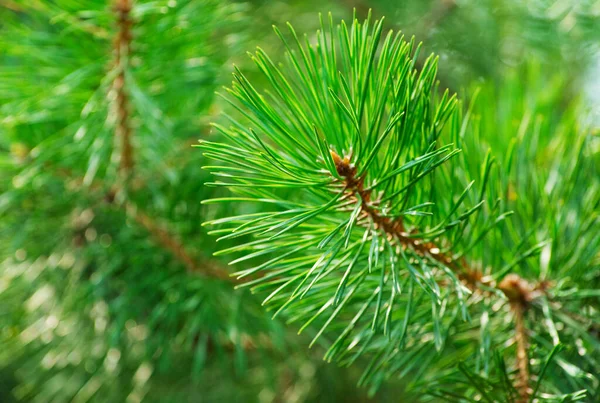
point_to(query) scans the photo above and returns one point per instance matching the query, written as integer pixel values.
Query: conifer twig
(393, 228)
(172, 244)
(522, 359)
(122, 45)
(11, 5)
(165, 239)
(519, 293)
(341, 220)
(516, 289)
(123, 134)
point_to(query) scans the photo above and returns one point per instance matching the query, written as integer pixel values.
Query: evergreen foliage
(436, 247)
(100, 298)
(409, 228)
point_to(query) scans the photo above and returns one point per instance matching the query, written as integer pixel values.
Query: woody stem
(122, 46)
(516, 289)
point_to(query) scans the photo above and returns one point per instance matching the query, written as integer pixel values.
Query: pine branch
(122, 49)
(169, 242)
(519, 294)
(517, 290)
(123, 132)
(164, 238)
(56, 95)
(350, 154)
(11, 5)
(394, 228)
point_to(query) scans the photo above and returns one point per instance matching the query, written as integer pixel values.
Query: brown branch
(164, 238)
(11, 5)
(394, 228)
(522, 359)
(122, 45)
(123, 136)
(519, 294)
(169, 242)
(518, 291)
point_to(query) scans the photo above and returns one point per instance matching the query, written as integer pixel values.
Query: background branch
(122, 46)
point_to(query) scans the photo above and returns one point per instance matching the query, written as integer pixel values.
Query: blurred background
(109, 290)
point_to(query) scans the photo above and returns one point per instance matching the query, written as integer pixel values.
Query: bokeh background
(113, 295)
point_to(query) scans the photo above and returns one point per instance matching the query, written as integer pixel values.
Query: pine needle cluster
(452, 244)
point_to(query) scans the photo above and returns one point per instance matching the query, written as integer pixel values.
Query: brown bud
(515, 288)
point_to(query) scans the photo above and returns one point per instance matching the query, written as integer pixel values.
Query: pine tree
(434, 237)
(437, 249)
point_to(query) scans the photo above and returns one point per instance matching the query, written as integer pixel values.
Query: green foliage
(386, 124)
(62, 90)
(106, 284)
(92, 307)
(368, 221)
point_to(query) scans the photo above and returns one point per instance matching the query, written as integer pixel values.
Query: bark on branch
(169, 242)
(519, 294)
(122, 48)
